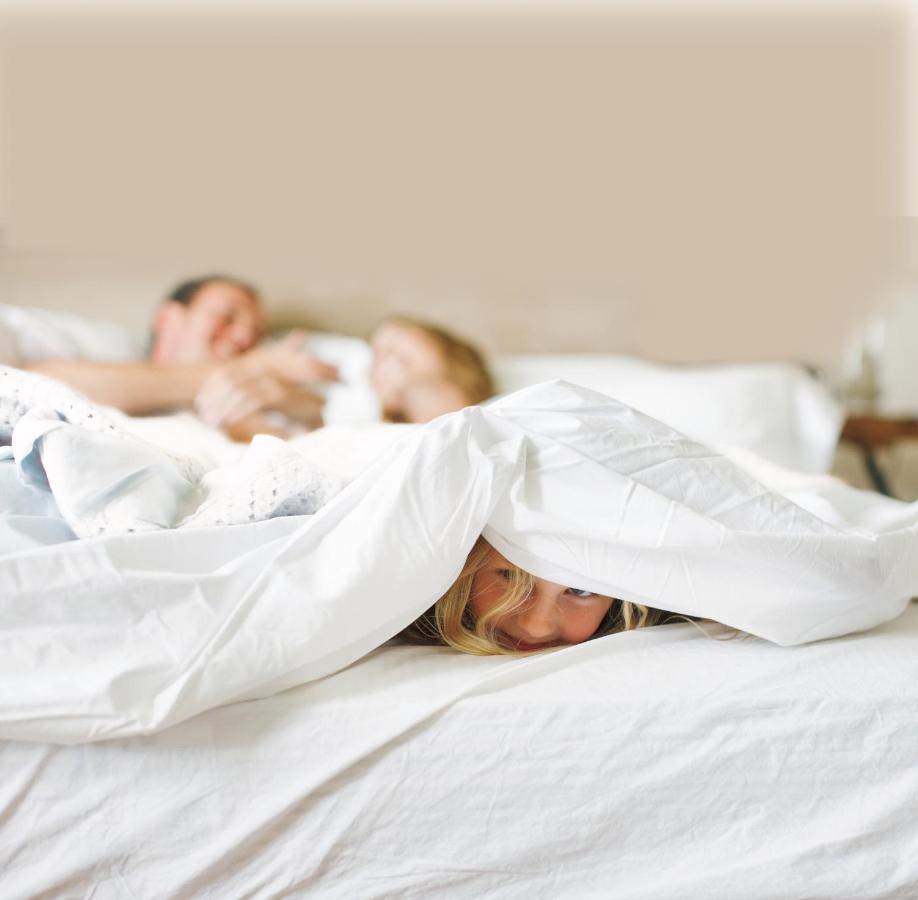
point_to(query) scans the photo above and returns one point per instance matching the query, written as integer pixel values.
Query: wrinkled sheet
(649, 765)
(130, 633)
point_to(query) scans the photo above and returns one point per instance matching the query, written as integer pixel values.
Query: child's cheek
(485, 595)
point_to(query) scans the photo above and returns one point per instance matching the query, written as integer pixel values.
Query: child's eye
(504, 573)
(579, 593)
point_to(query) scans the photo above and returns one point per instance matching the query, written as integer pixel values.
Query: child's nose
(539, 620)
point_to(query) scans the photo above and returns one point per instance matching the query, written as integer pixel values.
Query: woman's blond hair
(450, 621)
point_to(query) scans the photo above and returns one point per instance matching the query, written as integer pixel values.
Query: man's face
(221, 321)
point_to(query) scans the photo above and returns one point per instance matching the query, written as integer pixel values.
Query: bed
(651, 764)
(683, 760)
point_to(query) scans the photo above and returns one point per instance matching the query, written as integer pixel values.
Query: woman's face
(402, 355)
(554, 614)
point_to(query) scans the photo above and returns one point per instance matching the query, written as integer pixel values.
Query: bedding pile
(106, 480)
(128, 632)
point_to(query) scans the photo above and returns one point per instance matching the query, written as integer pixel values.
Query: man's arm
(144, 387)
(138, 388)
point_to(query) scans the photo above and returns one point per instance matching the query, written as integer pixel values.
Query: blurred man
(210, 318)
(205, 337)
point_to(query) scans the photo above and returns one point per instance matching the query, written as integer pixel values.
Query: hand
(275, 377)
(285, 359)
(228, 396)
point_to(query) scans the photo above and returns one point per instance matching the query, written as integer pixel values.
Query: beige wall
(685, 185)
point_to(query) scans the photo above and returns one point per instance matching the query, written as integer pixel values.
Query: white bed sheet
(652, 764)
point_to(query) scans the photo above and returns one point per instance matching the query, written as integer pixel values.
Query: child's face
(554, 614)
(402, 355)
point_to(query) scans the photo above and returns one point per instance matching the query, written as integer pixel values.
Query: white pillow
(31, 333)
(776, 410)
(352, 401)
(9, 348)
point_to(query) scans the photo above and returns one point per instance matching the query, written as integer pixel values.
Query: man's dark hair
(186, 291)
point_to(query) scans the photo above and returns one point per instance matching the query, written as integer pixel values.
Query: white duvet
(127, 633)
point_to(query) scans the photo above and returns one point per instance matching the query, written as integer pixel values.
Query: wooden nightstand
(872, 433)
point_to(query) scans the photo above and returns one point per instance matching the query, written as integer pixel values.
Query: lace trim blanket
(106, 480)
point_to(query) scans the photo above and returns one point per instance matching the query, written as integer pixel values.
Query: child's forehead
(406, 338)
(496, 558)
(386, 332)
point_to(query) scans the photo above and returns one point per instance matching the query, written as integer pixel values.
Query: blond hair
(464, 363)
(450, 621)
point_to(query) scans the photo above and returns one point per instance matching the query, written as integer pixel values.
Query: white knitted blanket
(106, 480)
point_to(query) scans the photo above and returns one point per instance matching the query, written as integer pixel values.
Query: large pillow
(31, 333)
(776, 410)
